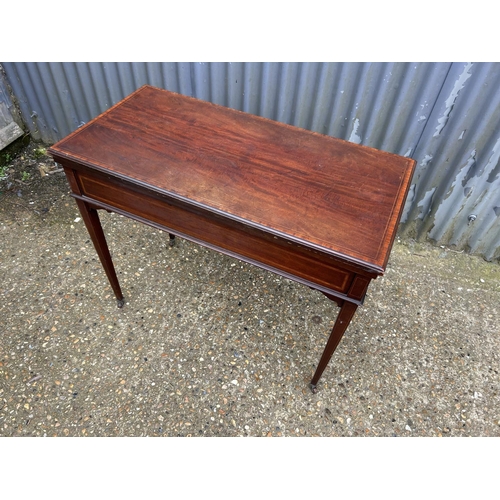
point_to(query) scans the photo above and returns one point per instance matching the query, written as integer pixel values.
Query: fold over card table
(312, 208)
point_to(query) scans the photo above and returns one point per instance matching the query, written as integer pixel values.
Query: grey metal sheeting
(445, 115)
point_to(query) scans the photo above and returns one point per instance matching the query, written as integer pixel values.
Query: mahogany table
(312, 208)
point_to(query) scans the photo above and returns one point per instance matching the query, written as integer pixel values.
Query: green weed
(39, 152)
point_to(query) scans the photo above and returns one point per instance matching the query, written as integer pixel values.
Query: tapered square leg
(344, 317)
(93, 224)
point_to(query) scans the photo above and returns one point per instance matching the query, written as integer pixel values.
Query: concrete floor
(209, 346)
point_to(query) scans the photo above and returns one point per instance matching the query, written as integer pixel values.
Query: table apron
(279, 255)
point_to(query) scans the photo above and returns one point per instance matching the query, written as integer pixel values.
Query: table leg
(93, 224)
(344, 317)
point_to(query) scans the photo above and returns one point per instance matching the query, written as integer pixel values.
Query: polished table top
(324, 192)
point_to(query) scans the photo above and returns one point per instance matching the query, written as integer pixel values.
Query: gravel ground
(209, 346)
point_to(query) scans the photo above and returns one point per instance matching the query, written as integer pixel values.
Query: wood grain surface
(341, 197)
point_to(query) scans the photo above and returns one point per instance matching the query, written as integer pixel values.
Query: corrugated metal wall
(455, 198)
(445, 115)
